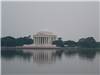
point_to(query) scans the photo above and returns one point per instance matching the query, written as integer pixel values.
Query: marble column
(34, 40)
(43, 40)
(39, 40)
(46, 40)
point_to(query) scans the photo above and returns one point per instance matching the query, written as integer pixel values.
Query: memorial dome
(44, 33)
(44, 38)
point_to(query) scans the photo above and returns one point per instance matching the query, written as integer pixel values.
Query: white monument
(44, 39)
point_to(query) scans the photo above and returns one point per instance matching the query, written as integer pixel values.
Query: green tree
(20, 41)
(70, 43)
(98, 44)
(24, 40)
(11, 41)
(59, 42)
(89, 42)
(8, 41)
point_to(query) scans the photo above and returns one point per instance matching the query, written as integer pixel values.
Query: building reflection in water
(43, 56)
(47, 56)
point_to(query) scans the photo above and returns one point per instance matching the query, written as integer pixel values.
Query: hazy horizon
(69, 20)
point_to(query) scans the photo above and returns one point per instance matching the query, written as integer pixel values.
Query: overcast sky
(69, 20)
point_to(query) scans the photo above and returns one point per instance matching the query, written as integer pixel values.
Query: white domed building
(44, 39)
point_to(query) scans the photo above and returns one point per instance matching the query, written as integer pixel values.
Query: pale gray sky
(70, 20)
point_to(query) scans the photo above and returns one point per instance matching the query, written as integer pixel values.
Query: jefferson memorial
(44, 39)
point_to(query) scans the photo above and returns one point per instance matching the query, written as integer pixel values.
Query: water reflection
(82, 53)
(59, 53)
(44, 56)
(87, 54)
(47, 56)
(11, 54)
(70, 52)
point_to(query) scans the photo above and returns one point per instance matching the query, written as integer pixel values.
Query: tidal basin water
(50, 61)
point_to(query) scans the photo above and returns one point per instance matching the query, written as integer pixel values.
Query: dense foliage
(8, 41)
(11, 41)
(70, 43)
(59, 42)
(88, 42)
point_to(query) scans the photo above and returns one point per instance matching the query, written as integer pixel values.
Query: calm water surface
(50, 61)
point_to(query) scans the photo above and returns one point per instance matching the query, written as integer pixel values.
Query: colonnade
(38, 40)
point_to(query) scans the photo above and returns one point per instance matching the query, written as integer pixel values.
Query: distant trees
(8, 41)
(70, 43)
(11, 41)
(23, 40)
(59, 42)
(88, 42)
(98, 44)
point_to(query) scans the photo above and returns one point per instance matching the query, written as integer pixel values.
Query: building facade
(44, 38)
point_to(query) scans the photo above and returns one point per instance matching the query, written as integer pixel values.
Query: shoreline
(46, 48)
(30, 47)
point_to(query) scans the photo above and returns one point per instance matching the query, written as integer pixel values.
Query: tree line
(10, 41)
(88, 42)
